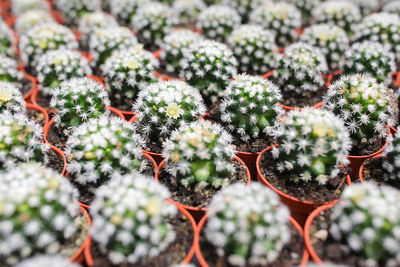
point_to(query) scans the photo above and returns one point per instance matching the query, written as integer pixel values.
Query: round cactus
(392, 7)
(47, 261)
(164, 106)
(7, 40)
(103, 148)
(239, 217)
(366, 223)
(73, 10)
(391, 156)
(39, 214)
(31, 18)
(371, 58)
(20, 6)
(312, 145)
(250, 108)
(124, 10)
(11, 99)
(131, 218)
(208, 66)
(244, 8)
(56, 66)
(282, 18)
(128, 71)
(188, 10)
(78, 100)
(306, 6)
(331, 40)
(8, 69)
(367, 6)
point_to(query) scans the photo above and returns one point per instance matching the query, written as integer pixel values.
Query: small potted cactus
(392, 7)
(362, 229)
(217, 22)
(282, 18)
(254, 48)
(124, 10)
(7, 40)
(31, 18)
(367, 6)
(9, 73)
(244, 8)
(188, 11)
(306, 7)
(21, 6)
(11, 99)
(73, 10)
(47, 261)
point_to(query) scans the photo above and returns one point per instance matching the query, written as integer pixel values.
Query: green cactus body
(73, 10)
(188, 11)
(8, 70)
(20, 6)
(7, 40)
(30, 19)
(11, 99)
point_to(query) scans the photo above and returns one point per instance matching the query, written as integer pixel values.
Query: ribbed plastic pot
(79, 255)
(361, 171)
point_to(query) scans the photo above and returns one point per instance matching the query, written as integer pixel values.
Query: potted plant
(306, 7)
(73, 10)
(124, 10)
(188, 11)
(31, 18)
(243, 8)
(11, 99)
(392, 7)
(7, 40)
(47, 261)
(20, 6)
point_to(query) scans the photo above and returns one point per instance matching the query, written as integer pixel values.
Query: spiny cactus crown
(7, 40)
(342, 13)
(8, 69)
(371, 58)
(301, 68)
(164, 106)
(56, 66)
(124, 10)
(188, 10)
(306, 6)
(104, 41)
(244, 8)
(253, 48)
(130, 218)
(364, 104)
(282, 18)
(38, 212)
(21, 6)
(250, 108)
(367, 223)
(392, 7)
(11, 99)
(312, 145)
(391, 159)
(45, 37)
(331, 40)
(367, 6)
(208, 66)
(73, 10)
(239, 218)
(218, 21)
(31, 18)
(128, 71)
(47, 261)
(199, 155)
(20, 141)
(78, 100)
(103, 148)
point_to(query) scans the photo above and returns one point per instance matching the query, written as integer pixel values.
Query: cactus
(137, 225)
(305, 6)
(312, 145)
(250, 110)
(128, 71)
(20, 6)
(78, 100)
(244, 7)
(331, 40)
(7, 40)
(8, 69)
(56, 66)
(11, 99)
(73, 10)
(367, 6)
(199, 155)
(281, 18)
(164, 106)
(31, 18)
(188, 10)
(391, 157)
(103, 148)
(39, 214)
(253, 48)
(124, 10)
(366, 223)
(392, 7)
(239, 218)
(371, 58)
(208, 66)
(47, 261)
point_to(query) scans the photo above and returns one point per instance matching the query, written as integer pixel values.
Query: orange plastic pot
(165, 77)
(116, 111)
(78, 257)
(396, 79)
(157, 53)
(39, 109)
(287, 108)
(361, 171)
(198, 213)
(97, 79)
(203, 262)
(31, 96)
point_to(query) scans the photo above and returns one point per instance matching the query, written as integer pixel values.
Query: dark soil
(24, 86)
(291, 254)
(55, 162)
(366, 148)
(31, 70)
(313, 192)
(253, 146)
(37, 116)
(374, 172)
(121, 104)
(43, 100)
(56, 137)
(190, 197)
(154, 148)
(175, 253)
(214, 113)
(162, 69)
(304, 99)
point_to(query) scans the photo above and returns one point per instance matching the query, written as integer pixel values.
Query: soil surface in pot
(253, 146)
(35, 115)
(303, 191)
(175, 253)
(366, 148)
(121, 104)
(292, 99)
(374, 172)
(214, 113)
(291, 254)
(43, 100)
(190, 197)
(55, 161)
(162, 70)
(24, 86)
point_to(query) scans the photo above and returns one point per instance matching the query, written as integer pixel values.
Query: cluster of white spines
(8, 69)
(367, 6)
(131, 211)
(31, 18)
(188, 10)
(392, 7)
(7, 34)
(38, 212)
(306, 6)
(11, 99)
(21, 6)
(73, 9)
(391, 158)
(47, 261)
(247, 224)
(368, 216)
(244, 8)
(125, 9)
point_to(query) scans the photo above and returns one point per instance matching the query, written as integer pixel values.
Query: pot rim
(360, 172)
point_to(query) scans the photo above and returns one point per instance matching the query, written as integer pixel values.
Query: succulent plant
(11, 99)
(131, 218)
(164, 106)
(392, 7)
(188, 10)
(391, 156)
(47, 261)
(56, 66)
(103, 148)
(254, 48)
(21, 6)
(173, 47)
(239, 218)
(365, 105)
(312, 145)
(367, 6)
(305, 6)
(217, 22)
(39, 214)
(366, 223)
(7, 40)
(331, 40)
(244, 7)
(342, 13)
(73, 10)
(250, 109)
(153, 21)
(124, 10)
(371, 58)
(45, 37)
(128, 71)
(31, 18)
(208, 66)
(282, 18)
(77, 100)
(8, 69)
(199, 155)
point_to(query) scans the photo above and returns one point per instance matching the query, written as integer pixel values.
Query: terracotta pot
(189, 256)
(287, 108)
(203, 262)
(87, 55)
(157, 53)
(198, 213)
(361, 171)
(78, 257)
(116, 111)
(31, 96)
(396, 79)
